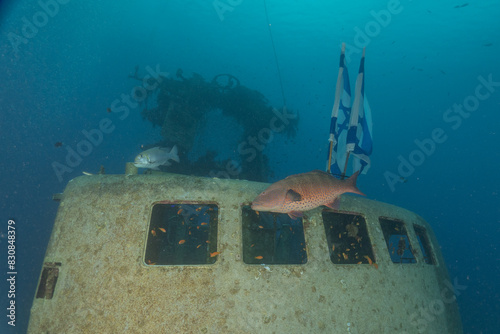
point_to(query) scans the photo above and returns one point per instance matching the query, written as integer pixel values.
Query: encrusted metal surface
(104, 286)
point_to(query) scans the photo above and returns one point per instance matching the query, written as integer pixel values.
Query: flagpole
(329, 166)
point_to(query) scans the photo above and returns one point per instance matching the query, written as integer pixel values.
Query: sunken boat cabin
(169, 253)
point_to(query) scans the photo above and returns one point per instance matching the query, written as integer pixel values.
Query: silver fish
(155, 157)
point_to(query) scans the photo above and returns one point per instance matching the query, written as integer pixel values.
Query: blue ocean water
(63, 63)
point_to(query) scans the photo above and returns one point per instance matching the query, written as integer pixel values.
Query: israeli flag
(359, 135)
(339, 124)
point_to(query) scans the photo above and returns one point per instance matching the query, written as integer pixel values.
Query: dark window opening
(48, 280)
(425, 245)
(347, 237)
(182, 234)
(396, 238)
(272, 238)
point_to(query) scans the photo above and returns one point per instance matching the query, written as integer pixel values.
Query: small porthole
(425, 245)
(272, 238)
(182, 234)
(347, 237)
(398, 243)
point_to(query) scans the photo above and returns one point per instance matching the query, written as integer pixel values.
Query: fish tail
(351, 184)
(174, 155)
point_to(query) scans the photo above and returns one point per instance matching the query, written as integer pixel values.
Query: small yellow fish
(260, 257)
(181, 242)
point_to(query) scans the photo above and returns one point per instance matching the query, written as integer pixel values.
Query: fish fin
(335, 204)
(295, 214)
(174, 154)
(293, 196)
(351, 184)
(320, 172)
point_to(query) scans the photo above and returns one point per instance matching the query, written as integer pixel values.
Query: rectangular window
(182, 234)
(347, 237)
(48, 280)
(272, 238)
(396, 238)
(425, 245)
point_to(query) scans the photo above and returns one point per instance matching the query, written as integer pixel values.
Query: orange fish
(153, 232)
(179, 212)
(214, 254)
(162, 229)
(260, 257)
(203, 223)
(181, 242)
(198, 246)
(302, 192)
(375, 265)
(368, 258)
(333, 248)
